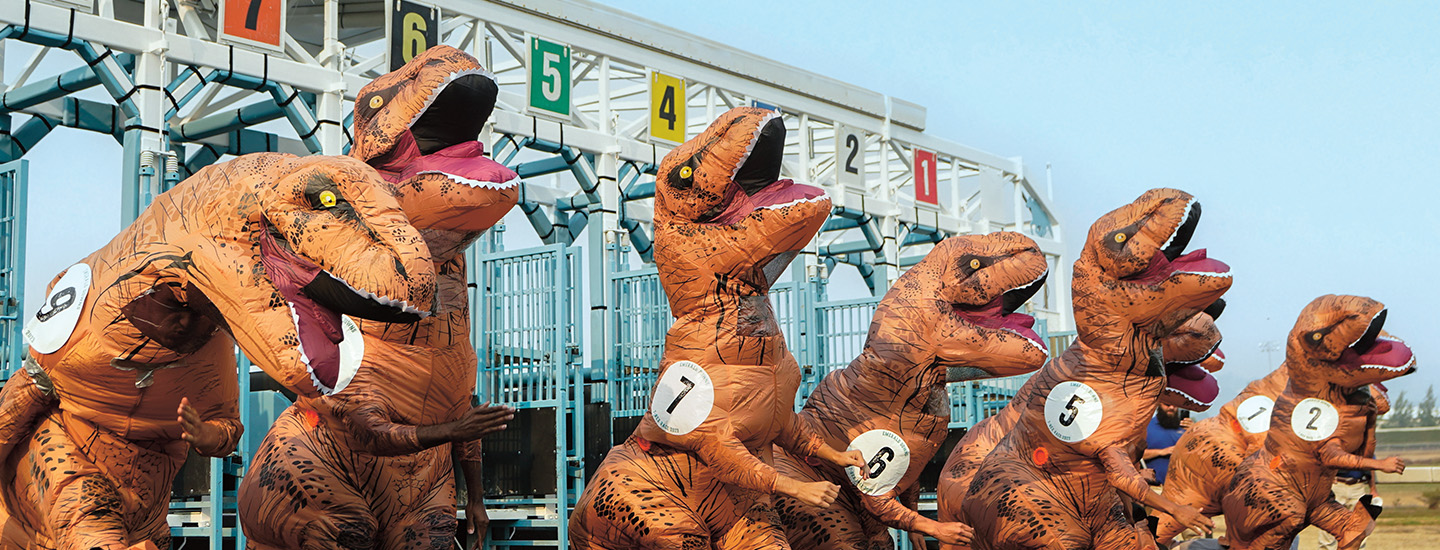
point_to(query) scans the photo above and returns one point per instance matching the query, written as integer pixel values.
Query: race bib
(1073, 411)
(55, 321)
(352, 352)
(886, 455)
(1314, 419)
(1254, 414)
(683, 398)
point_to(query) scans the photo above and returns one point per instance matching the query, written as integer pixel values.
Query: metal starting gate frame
(178, 96)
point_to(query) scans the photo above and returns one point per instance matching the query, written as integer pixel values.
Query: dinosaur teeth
(476, 183)
(434, 94)
(1226, 274)
(1032, 341)
(300, 347)
(382, 300)
(794, 202)
(1183, 216)
(750, 147)
(1401, 368)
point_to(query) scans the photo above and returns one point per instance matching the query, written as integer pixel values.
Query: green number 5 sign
(549, 78)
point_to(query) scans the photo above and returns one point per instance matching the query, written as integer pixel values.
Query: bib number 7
(683, 398)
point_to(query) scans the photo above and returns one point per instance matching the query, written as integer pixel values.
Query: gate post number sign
(849, 157)
(412, 29)
(667, 107)
(926, 189)
(548, 78)
(254, 22)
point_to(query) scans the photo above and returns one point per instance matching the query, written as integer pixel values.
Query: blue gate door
(524, 325)
(13, 176)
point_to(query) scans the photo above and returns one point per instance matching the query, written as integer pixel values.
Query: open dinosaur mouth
(1000, 313)
(1170, 258)
(441, 136)
(317, 299)
(1374, 351)
(1192, 381)
(756, 182)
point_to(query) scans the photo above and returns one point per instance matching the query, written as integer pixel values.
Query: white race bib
(683, 398)
(55, 321)
(1254, 414)
(1073, 411)
(1314, 419)
(352, 353)
(888, 457)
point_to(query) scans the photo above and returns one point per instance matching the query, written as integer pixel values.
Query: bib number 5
(1073, 411)
(683, 398)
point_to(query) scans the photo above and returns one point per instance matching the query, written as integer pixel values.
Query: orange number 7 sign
(258, 22)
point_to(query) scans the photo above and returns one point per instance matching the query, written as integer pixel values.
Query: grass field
(1405, 525)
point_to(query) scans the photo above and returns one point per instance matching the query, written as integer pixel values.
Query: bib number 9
(683, 398)
(1073, 411)
(887, 458)
(55, 321)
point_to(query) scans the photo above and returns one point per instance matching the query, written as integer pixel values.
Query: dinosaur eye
(1120, 237)
(686, 171)
(376, 101)
(327, 199)
(1316, 336)
(974, 264)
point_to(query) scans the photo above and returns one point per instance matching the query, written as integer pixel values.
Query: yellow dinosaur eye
(1119, 237)
(327, 199)
(974, 264)
(686, 171)
(1316, 336)
(376, 101)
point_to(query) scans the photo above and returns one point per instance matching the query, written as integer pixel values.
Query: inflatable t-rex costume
(949, 318)
(1055, 480)
(1322, 422)
(697, 471)
(268, 248)
(1196, 343)
(372, 466)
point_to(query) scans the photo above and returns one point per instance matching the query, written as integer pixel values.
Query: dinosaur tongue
(317, 326)
(463, 162)
(781, 192)
(992, 317)
(1193, 382)
(1162, 268)
(1387, 354)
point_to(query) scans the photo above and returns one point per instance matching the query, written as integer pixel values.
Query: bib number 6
(888, 460)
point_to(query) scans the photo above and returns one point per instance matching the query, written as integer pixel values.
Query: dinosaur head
(1191, 353)
(729, 172)
(283, 246)
(440, 99)
(1134, 272)
(966, 294)
(417, 127)
(725, 183)
(1338, 340)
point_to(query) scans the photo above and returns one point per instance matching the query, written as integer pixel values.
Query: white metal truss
(335, 46)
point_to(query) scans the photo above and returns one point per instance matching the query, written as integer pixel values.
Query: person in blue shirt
(1160, 438)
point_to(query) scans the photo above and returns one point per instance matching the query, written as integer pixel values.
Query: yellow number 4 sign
(667, 107)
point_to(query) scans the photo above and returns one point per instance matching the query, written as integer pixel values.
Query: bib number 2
(1314, 419)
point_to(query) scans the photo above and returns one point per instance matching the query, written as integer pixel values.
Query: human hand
(477, 521)
(479, 422)
(1393, 465)
(952, 532)
(201, 435)
(820, 494)
(1191, 518)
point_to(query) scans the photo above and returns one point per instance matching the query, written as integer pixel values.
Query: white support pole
(144, 132)
(329, 105)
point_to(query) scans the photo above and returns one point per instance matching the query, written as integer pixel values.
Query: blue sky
(1308, 131)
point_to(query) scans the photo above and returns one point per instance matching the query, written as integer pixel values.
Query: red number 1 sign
(255, 22)
(925, 188)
